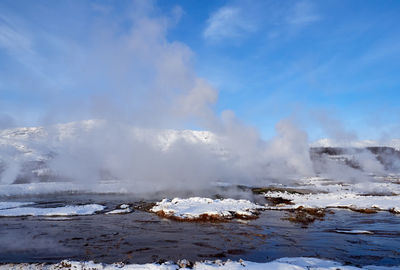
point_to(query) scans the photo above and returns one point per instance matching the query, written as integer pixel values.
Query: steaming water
(150, 82)
(141, 237)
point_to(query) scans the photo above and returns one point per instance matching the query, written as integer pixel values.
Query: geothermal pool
(141, 237)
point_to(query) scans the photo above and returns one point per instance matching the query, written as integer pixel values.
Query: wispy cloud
(241, 19)
(303, 13)
(12, 39)
(228, 22)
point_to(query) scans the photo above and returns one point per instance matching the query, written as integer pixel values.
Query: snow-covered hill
(326, 142)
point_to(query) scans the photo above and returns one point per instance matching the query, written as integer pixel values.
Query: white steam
(128, 74)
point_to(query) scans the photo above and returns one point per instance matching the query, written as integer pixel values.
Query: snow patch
(354, 231)
(326, 142)
(299, 263)
(395, 210)
(197, 208)
(122, 209)
(336, 200)
(69, 210)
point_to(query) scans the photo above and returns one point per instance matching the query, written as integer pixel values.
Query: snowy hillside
(326, 142)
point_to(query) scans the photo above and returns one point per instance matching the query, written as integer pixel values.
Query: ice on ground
(196, 208)
(336, 200)
(122, 209)
(6, 205)
(119, 211)
(69, 210)
(354, 231)
(297, 263)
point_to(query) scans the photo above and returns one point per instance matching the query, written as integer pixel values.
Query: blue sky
(328, 65)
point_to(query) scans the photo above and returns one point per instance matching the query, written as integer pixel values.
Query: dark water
(141, 237)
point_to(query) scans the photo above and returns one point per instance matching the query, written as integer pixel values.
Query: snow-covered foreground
(299, 263)
(196, 208)
(70, 210)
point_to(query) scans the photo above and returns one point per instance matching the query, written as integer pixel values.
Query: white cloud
(228, 22)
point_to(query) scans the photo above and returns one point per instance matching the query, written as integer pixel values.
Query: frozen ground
(295, 263)
(197, 208)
